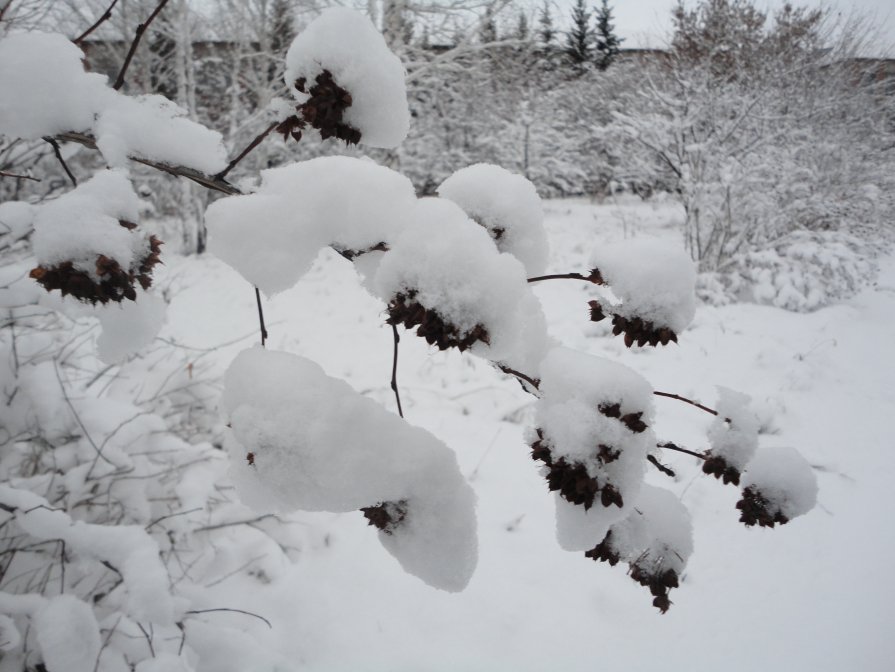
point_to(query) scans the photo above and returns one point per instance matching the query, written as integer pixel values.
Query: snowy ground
(816, 594)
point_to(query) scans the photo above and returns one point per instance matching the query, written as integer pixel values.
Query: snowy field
(814, 595)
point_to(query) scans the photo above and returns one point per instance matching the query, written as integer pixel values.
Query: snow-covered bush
(105, 508)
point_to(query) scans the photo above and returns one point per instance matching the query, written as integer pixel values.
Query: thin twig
(58, 153)
(671, 446)
(685, 400)
(395, 369)
(3, 173)
(261, 317)
(521, 376)
(4, 8)
(148, 638)
(218, 526)
(105, 17)
(244, 153)
(563, 276)
(238, 611)
(71, 407)
(119, 82)
(171, 515)
(658, 465)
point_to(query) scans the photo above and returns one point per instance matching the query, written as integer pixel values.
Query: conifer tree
(546, 31)
(580, 39)
(607, 42)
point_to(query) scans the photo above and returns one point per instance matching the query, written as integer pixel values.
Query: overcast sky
(646, 22)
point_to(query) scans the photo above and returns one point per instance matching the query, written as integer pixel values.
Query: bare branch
(672, 446)
(238, 611)
(244, 153)
(119, 82)
(3, 173)
(102, 19)
(261, 316)
(58, 152)
(685, 400)
(397, 339)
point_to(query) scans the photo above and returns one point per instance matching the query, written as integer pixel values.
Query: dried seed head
(107, 280)
(718, 467)
(403, 309)
(323, 110)
(386, 516)
(756, 509)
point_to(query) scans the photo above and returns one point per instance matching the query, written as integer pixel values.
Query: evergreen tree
(488, 29)
(580, 39)
(546, 31)
(607, 42)
(522, 30)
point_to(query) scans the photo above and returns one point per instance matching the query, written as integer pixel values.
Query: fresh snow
(749, 599)
(348, 45)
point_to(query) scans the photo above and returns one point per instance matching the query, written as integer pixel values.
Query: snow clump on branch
(272, 236)
(302, 440)
(347, 82)
(507, 205)
(593, 435)
(46, 91)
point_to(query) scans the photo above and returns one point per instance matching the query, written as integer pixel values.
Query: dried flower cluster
(573, 480)
(106, 280)
(755, 509)
(718, 467)
(636, 329)
(403, 309)
(324, 111)
(386, 516)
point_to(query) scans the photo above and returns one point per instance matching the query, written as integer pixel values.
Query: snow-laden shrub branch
(109, 484)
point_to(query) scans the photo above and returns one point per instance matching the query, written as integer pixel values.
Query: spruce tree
(580, 39)
(546, 31)
(607, 42)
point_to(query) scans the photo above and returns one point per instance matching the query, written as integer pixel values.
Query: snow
(507, 205)
(45, 88)
(47, 92)
(733, 434)
(16, 218)
(452, 267)
(152, 127)
(272, 236)
(784, 478)
(654, 279)
(128, 327)
(68, 635)
(811, 369)
(316, 445)
(83, 224)
(348, 45)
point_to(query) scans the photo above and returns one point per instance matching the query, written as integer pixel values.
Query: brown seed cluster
(386, 516)
(324, 111)
(604, 552)
(572, 479)
(718, 467)
(659, 583)
(107, 280)
(755, 509)
(636, 329)
(403, 309)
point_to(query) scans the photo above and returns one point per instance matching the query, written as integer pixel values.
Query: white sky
(646, 22)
